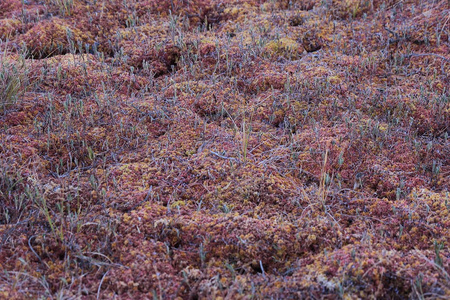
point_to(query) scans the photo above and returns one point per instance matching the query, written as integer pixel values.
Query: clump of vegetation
(55, 37)
(13, 82)
(65, 7)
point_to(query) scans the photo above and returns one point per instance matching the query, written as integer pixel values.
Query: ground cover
(238, 149)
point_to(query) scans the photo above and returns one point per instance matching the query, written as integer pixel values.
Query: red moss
(273, 149)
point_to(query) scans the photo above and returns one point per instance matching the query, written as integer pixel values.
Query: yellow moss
(312, 238)
(334, 79)
(179, 203)
(126, 218)
(233, 11)
(383, 126)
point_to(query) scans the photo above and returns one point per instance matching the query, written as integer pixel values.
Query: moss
(234, 149)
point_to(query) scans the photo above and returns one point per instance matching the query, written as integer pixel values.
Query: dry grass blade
(10, 86)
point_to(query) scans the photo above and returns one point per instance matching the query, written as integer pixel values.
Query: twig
(427, 54)
(31, 247)
(224, 157)
(262, 269)
(100, 285)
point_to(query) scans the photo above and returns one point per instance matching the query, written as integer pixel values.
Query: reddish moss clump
(52, 37)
